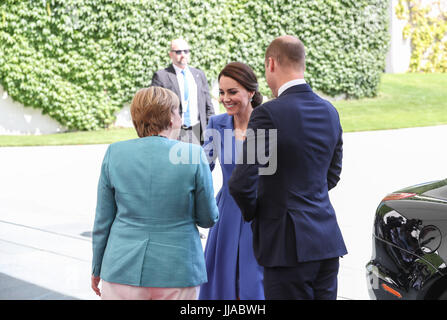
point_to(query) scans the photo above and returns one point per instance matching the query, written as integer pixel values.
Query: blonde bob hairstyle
(151, 110)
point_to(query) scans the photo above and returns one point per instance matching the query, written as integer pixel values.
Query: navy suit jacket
(167, 78)
(293, 219)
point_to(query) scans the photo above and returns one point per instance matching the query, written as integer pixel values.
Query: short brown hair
(151, 110)
(288, 51)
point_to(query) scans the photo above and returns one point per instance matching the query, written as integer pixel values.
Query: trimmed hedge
(81, 60)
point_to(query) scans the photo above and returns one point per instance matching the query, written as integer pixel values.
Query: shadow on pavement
(15, 289)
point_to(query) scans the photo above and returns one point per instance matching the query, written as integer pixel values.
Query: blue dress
(233, 272)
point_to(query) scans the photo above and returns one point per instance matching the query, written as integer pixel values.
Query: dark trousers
(314, 280)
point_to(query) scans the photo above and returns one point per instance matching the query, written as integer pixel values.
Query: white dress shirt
(289, 84)
(192, 89)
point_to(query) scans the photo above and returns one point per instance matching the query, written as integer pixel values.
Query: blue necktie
(186, 118)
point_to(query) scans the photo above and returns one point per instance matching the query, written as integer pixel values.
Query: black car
(409, 251)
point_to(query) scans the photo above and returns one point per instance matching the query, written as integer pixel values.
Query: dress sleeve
(211, 143)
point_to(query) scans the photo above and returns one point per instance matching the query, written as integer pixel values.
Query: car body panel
(409, 245)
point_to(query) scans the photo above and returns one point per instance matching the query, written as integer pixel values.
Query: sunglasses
(186, 51)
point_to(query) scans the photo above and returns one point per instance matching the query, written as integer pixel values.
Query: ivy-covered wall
(81, 60)
(426, 27)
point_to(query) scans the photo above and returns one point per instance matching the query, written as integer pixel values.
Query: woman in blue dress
(233, 272)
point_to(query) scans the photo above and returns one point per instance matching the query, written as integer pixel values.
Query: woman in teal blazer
(153, 192)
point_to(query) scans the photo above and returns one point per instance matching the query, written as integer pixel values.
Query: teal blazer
(153, 192)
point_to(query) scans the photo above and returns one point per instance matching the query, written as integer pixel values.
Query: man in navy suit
(191, 87)
(296, 236)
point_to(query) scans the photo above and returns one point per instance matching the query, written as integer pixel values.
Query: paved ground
(48, 198)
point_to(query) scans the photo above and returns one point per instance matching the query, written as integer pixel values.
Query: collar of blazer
(223, 121)
(173, 76)
(296, 89)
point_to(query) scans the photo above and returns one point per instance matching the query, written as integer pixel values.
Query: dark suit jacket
(167, 78)
(293, 219)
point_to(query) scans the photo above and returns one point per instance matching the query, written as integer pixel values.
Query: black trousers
(314, 280)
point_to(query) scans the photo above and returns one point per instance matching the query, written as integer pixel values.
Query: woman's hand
(95, 283)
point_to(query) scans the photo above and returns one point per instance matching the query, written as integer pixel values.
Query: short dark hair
(288, 51)
(245, 76)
